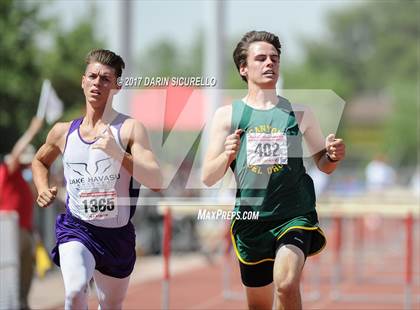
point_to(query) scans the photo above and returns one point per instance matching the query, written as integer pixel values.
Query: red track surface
(374, 280)
(202, 289)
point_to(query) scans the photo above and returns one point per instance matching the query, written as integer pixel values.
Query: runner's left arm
(326, 152)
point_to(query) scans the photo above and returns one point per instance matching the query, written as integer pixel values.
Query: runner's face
(97, 83)
(262, 66)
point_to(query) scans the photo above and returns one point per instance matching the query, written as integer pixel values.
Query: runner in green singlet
(260, 139)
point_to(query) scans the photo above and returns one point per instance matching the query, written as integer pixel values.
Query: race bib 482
(266, 148)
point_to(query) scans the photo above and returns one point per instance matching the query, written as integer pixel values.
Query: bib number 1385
(97, 205)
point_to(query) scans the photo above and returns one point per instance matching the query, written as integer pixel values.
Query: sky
(179, 21)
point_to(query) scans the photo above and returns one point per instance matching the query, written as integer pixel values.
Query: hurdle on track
(336, 210)
(352, 209)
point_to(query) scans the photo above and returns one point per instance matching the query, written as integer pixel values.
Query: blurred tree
(402, 136)
(161, 59)
(372, 48)
(64, 64)
(193, 58)
(35, 48)
(20, 70)
(165, 59)
(369, 46)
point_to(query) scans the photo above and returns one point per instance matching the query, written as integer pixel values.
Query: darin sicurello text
(176, 81)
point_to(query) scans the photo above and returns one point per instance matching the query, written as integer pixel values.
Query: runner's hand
(336, 149)
(106, 142)
(233, 143)
(46, 197)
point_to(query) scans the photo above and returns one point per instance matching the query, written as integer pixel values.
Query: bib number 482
(267, 149)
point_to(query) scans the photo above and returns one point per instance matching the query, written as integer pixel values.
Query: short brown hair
(240, 53)
(106, 57)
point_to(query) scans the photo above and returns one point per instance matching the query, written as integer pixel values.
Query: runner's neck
(261, 100)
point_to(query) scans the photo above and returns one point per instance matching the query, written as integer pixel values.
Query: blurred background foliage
(369, 57)
(35, 48)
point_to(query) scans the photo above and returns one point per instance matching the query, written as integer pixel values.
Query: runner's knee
(111, 302)
(111, 291)
(287, 271)
(286, 286)
(76, 297)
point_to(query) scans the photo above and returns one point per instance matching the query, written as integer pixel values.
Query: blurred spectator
(16, 195)
(415, 182)
(379, 174)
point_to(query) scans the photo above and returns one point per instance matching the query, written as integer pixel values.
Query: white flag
(50, 106)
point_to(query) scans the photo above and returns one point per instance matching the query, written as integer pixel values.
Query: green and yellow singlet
(269, 171)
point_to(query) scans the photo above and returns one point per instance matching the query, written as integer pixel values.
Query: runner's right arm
(47, 153)
(222, 148)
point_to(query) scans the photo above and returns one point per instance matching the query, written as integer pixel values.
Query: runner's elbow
(207, 182)
(36, 164)
(156, 181)
(207, 179)
(325, 170)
